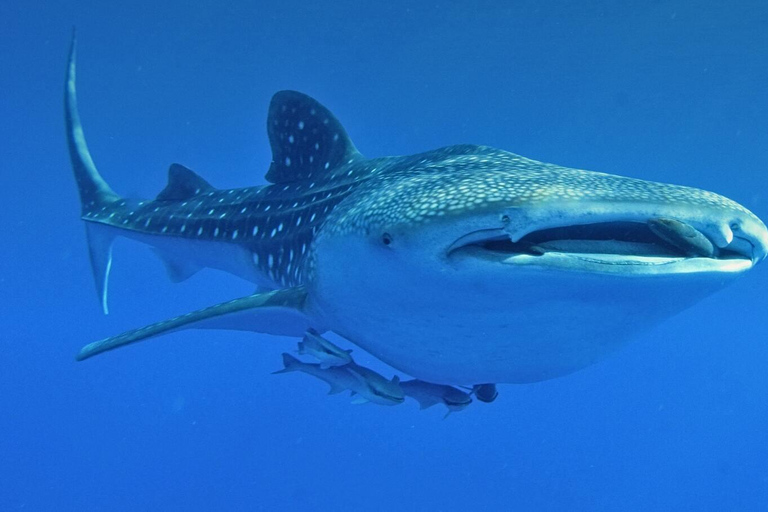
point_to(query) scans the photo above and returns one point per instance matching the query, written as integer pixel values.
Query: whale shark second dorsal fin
(183, 183)
(307, 140)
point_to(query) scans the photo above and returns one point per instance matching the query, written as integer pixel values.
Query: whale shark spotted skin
(462, 265)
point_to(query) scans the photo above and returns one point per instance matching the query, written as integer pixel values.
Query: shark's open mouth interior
(631, 239)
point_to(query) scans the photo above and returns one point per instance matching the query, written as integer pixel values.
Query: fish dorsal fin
(307, 141)
(183, 183)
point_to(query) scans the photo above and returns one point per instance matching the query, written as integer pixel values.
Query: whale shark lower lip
(636, 266)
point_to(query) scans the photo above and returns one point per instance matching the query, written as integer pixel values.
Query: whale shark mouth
(655, 242)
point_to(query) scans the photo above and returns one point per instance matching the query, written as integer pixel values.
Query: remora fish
(485, 392)
(338, 378)
(367, 384)
(428, 394)
(378, 389)
(323, 350)
(425, 261)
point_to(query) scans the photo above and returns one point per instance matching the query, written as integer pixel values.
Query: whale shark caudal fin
(307, 140)
(95, 194)
(94, 191)
(278, 312)
(100, 239)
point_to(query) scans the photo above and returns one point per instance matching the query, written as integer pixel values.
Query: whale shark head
(473, 202)
(498, 268)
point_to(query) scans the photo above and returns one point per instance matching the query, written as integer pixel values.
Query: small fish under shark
(368, 385)
(342, 373)
(428, 394)
(485, 392)
(323, 350)
(461, 266)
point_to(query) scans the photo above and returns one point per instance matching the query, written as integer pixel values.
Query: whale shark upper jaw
(621, 244)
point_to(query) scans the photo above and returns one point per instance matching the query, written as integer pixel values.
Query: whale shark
(463, 265)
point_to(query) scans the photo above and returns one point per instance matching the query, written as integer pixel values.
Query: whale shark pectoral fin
(278, 312)
(100, 240)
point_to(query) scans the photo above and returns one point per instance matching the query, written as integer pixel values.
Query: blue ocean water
(663, 90)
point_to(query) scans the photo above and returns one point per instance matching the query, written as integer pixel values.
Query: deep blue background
(663, 90)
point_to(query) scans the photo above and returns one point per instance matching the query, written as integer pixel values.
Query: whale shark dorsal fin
(307, 141)
(183, 183)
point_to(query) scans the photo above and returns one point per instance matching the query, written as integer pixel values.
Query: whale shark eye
(386, 239)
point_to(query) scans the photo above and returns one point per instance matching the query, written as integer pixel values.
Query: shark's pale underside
(462, 265)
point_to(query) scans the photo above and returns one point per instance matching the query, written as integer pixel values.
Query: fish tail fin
(94, 191)
(100, 239)
(336, 388)
(290, 364)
